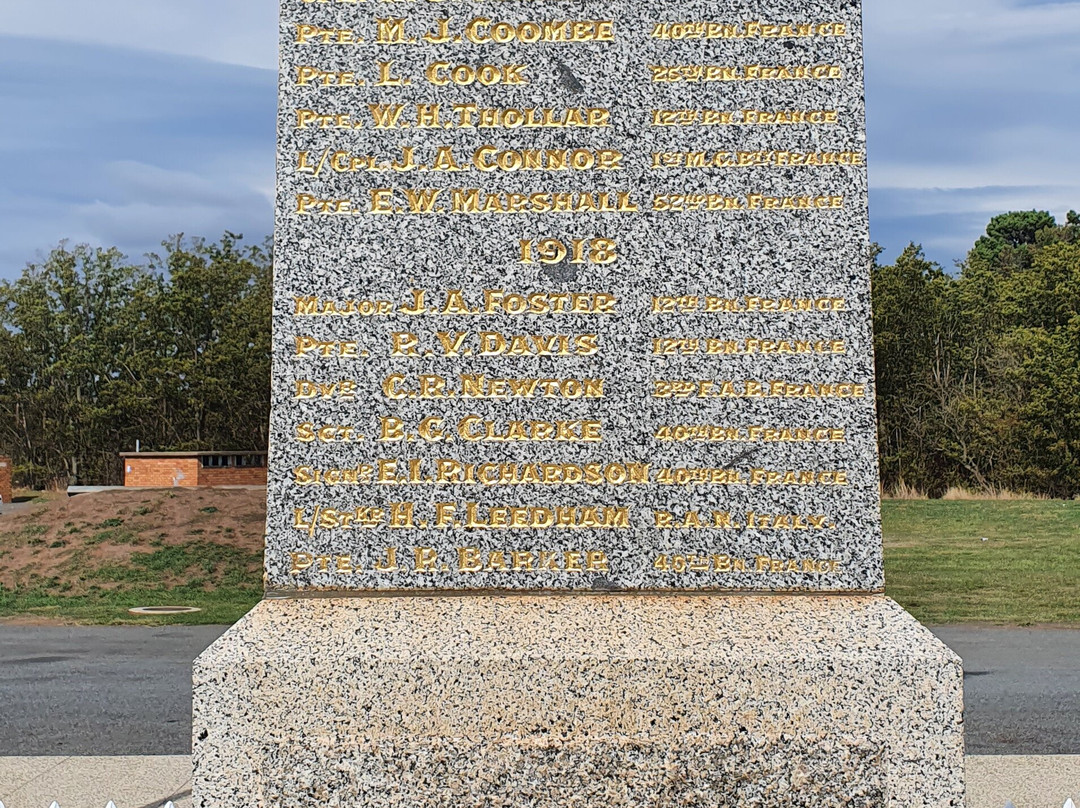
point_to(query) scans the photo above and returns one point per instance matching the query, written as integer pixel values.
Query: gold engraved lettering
(401, 515)
(311, 205)
(387, 77)
(692, 520)
(761, 202)
(754, 29)
(689, 304)
(389, 561)
(432, 115)
(329, 433)
(473, 116)
(384, 201)
(300, 562)
(480, 386)
(399, 387)
(753, 159)
(499, 303)
(454, 472)
(555, 251)
(312, 306)
(682, 203)
(472, 560)
(315, 35)
(358, 475)
(425, 559)
(478, 201)
(745, 117)
(482, 31)
(344, 390)
(306, 76)
(310, 118)
(788, 521)
(788, 117)
(491, 158)
(693, 388)
(684, 564)
(476, 429)
(306, 346)
(442, 74)
(339, 564)
(392, 31)
(691, 477)
(692, 117)
(475, 201)
(691, 346)
(687, 433)
(386, 116)
(346, 162)
(744, 73)
(755, 477)
(798, 566)
(495, 343)
(727, 564)
(529, 517)
(392, 430)
(361, 518)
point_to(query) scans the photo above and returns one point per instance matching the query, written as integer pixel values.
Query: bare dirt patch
(168, 537)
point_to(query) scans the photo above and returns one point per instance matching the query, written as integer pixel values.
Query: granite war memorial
(573, 491)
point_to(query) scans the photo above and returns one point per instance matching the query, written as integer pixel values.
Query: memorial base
(656, 701)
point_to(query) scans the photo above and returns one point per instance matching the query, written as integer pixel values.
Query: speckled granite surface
(587, 701)
(690, 399)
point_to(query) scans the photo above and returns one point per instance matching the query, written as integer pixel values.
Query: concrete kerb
(91, 782)
(150, 782)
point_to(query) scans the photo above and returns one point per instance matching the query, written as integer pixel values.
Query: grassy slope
(91, 558)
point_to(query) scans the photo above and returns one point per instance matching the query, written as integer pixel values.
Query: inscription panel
(572, 295)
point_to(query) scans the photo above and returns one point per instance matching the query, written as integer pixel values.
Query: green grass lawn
(222, 606)
(938, 567)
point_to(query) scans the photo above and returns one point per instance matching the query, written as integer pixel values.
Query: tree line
(97, 353)
(978, 370)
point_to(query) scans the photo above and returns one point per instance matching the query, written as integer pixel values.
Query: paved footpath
(147, 782)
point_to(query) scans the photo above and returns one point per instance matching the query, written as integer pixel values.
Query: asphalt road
(127, 690)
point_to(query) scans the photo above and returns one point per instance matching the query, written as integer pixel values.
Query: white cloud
(972, 112)
(241, 32)
(143, 146)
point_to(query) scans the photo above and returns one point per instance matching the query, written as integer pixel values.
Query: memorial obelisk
(573, 490)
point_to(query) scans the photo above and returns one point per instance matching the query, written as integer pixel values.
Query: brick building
(190, 469)
(5, 480)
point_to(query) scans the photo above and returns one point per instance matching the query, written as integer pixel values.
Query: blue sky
(129, 120)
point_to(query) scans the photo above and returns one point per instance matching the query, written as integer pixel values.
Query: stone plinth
(584, 701)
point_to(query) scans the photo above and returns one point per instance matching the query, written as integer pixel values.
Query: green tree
(912, 335)
(97, 353)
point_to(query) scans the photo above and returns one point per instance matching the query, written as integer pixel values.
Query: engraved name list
(571, 298)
